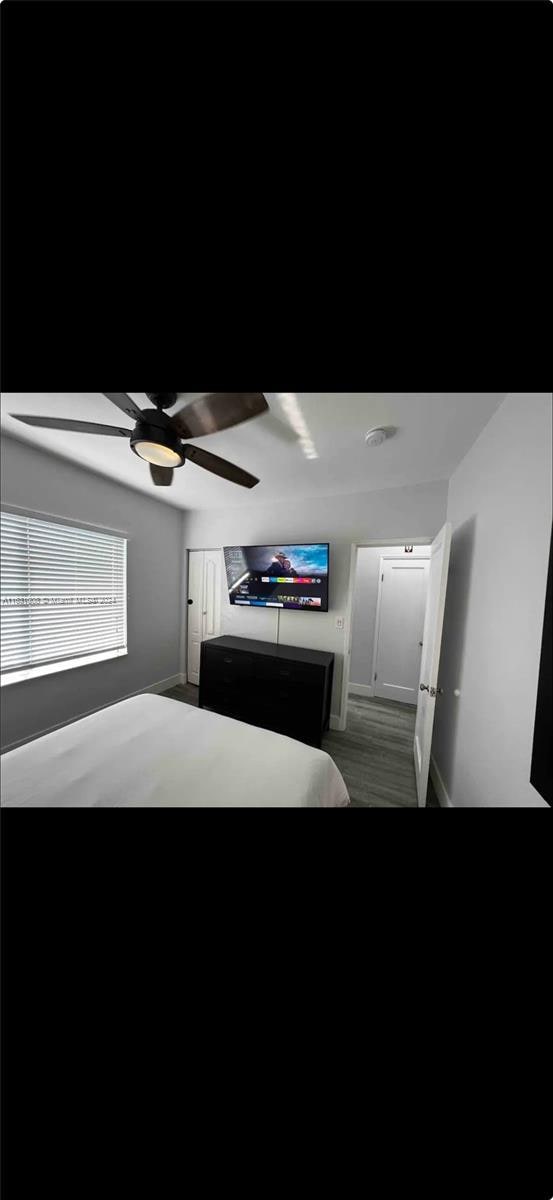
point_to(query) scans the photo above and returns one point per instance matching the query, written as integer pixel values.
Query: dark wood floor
(185, 692)
(375, 754)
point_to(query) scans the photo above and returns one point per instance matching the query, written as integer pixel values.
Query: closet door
(195, 613)
(204, 604)
(213, 564)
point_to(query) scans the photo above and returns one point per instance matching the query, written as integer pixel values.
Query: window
(63, 599)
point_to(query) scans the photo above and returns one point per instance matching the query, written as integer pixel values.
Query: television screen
(281, 576)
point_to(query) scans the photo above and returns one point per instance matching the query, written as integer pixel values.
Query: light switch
(339, 623)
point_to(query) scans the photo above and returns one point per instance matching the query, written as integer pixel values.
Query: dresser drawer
(229, 663)
(290, 701)
(291, 723)
(228, 697)
(281, 672)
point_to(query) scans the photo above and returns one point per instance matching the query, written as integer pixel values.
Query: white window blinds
(63, 596)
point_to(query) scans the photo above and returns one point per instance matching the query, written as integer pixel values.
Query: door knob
(190, 601)
(425, 687)
(421, 643)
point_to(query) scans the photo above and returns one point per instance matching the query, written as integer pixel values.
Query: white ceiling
(434, 432)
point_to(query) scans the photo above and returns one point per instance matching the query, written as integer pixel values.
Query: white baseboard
(361, 689)
(337, 725)
(155, 689)
(439, 786)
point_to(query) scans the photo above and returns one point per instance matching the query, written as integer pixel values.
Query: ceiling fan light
(160, 456)
(157, 445)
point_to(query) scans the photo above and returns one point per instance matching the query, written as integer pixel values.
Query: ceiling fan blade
(216, 411)
(162, 476)
(125, 403)
(220, 466)
(72, 426)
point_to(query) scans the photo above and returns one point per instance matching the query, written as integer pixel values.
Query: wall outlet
(340, 623)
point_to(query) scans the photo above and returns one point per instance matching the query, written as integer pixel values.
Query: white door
(433, 630)
(399, 628)
(204, 604)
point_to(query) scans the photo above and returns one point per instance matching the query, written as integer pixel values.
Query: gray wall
(365, 606)
(42, 482)
(500, 507)
(411, 513)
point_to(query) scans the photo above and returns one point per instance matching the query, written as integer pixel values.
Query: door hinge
(383, 579)
(375, 678)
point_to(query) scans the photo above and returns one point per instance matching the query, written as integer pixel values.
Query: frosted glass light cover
(161, 456)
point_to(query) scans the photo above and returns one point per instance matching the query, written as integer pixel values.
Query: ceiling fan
(158, 438)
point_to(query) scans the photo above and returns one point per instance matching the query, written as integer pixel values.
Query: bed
(150, 751)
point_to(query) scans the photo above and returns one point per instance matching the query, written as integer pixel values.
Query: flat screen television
(279, 576)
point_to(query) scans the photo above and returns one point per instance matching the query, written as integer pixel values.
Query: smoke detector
(376, 437)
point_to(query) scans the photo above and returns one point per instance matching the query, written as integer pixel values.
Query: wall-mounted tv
(279, 576)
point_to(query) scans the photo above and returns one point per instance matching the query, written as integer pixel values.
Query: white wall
(411, 513)
(500, 507)
(42, 482)
(365, 606)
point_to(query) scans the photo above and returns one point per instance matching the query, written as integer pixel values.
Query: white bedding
(154, 752)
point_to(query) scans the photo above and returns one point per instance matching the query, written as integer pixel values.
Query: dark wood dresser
(282, 688)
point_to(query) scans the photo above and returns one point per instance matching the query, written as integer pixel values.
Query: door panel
(400, 629)
(213, 563)
(204, 613)
(195, 613)
(430, 665)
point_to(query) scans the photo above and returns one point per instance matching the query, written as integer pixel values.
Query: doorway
(205, 573)
(397, 601)
(387, 618)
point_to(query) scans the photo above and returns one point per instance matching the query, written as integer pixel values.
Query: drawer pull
(228, 661)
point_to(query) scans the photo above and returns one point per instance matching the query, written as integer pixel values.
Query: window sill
(54, 668)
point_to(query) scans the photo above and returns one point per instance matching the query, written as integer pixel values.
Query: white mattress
(153, 752)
